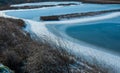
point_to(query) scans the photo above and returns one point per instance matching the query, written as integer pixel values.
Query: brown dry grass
(23, 55)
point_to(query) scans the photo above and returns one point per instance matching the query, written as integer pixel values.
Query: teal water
(105, 35)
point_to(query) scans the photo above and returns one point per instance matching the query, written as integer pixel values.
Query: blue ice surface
(104, 34)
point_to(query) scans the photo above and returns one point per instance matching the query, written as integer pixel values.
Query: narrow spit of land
(75, 15)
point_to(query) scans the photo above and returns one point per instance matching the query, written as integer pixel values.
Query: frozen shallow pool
(105, 35)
